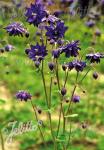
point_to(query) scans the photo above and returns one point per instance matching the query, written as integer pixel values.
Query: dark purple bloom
(98, 32)
(50, 19)
(37, 52)
(37, 64)
(94, 57)
(64, 67)
(16, 29)
(71, 49)
(9, 48)
(76, 98)
(63, 91)
(56, 53)
(77, 65)
(27, 34)
(52, 42)
(60, 42)
(95, 75)
(23, 96)
(57, 31)
(35, 14)
(2, 50)
(58, 13)
(90, 23)
(51, 66)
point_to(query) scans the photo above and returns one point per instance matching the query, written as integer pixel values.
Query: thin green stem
(42, 136)
(44, 83)
(2, 140)
(75, 86)
(50, 92)
(84, 76)
(48, 104)
(50, 117)
(68, 110)
(61, 106)
(69, 136)
(66, 78)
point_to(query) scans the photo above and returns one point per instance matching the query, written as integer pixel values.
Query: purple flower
(77, 65)
(23, 96)
(56, 53)
(98, 32)
(35, 14)
(16, 29)
(37, 64)
(58, 13)
(76, 98)
(71, 49)
(50, 19)
(63, 91)
(64, 67)
(94, 57)
(95, 75)
(37, 52)
(90, 23)
(9, 48)
(51, 66)
(57, 31)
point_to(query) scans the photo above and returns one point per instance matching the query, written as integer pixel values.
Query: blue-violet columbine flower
(57, 31)
(23, 96)
(35, 13)
(94, 57)
(71, 49)
(9, 48)
(50, 19)
(90, 23)
(56, 53)
(76, 98)
(95, 75)
(37, 52)
(16, 29)
(51, 66)
(77, 65)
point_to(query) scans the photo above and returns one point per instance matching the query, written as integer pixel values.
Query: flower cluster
(56, 31)
(37, 52)
(94, 57)
(71, 49)
(77, 65)
(23, 96)
(16, 29)
(35, 13)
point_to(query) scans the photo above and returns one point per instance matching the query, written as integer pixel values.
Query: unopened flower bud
(95, 75)
(51, 66)
(37, 64)
(63, 91)
(76, 98)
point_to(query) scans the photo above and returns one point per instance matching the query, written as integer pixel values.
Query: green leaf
(2, 101)
(71, 116)
(61, 138)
